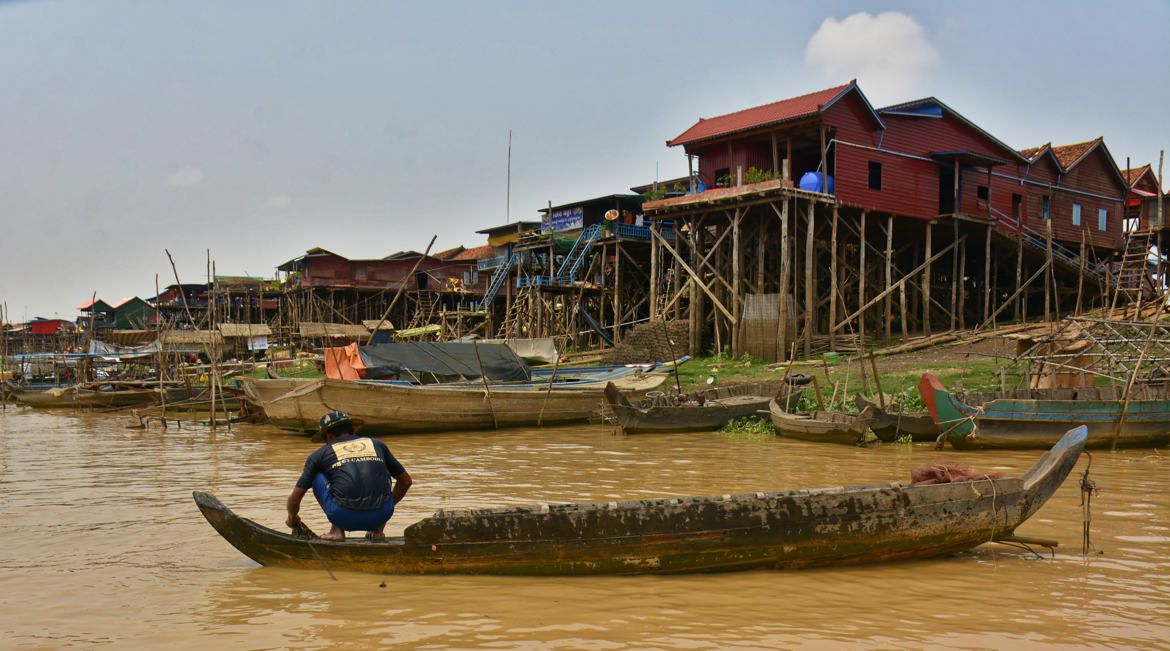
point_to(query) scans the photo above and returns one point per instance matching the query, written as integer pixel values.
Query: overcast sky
(257, 130)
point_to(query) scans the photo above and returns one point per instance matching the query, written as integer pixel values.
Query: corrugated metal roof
(782, 111)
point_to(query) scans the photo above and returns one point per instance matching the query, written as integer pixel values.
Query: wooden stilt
(833, 278)
(861, 276)
(961, 308)
(810, 301)
(1048, 261)
(987, 274)
(736, 268)
(888, 311)
(785, 277)
(955, 277)
(926, 283)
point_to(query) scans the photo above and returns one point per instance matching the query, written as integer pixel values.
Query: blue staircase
(498, 280)
(571, 265)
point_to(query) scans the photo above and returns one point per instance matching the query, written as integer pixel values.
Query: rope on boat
(942, 437)
(1088, 489)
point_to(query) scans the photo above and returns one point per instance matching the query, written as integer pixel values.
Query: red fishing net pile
(945, 472)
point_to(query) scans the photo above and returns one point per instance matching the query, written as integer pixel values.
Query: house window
(1076, 214)
(1102, 219)
(471, 277)
(875, 176)
(981, 192)
(1045, 208)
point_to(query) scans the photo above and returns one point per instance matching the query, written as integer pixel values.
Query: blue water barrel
(811, 181)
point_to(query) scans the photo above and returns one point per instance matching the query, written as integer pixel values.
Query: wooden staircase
(424, 309)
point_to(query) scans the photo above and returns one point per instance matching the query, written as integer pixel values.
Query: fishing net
(945, 472)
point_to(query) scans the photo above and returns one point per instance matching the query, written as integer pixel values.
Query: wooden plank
(900, 283)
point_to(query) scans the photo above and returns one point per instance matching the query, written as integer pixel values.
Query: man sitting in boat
(351, 478)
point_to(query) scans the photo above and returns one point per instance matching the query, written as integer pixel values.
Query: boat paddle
(302, 530)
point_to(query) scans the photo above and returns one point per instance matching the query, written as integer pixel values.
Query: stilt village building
(810, 224)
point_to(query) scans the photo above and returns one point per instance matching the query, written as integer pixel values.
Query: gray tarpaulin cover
(445, 359)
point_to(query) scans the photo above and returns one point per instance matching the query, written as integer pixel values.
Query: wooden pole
(900, 283)
(785, 278)
(488, 389)
(962, 305)
(1048, 258)
(926, 282)
(987, 278)
(1081, 272)
(736, 265)
(1019, 312)
(833, 279)
(888, 311)
(655, 272)
(861, 280)
(1133, 375)
(820, 398)
(401, 287)
(1019, 290)
(876, 380)
(810, 300)
(954, 277)
(547, 392)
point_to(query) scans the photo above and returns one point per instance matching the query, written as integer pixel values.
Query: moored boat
(775, 529)
(696, 412)
(822, 426)
(1021, 424)
(891, 423)
(392, 408)
(101, 395)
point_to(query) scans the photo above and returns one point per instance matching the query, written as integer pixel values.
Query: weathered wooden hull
(395, 408)
(889, 425)
(1008, 424)
(73, 397)
(821, 427)
(777, 529)
(720, 406)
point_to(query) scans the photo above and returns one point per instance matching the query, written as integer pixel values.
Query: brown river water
(103, 547)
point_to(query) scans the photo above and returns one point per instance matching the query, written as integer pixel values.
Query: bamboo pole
(876, 381)
(1133, 376)
(487, 388)
(820, 398)
(547, 392)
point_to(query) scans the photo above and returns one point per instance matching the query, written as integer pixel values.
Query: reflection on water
(103, 545)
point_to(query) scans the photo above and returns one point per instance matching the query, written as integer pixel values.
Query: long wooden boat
(1019, 424)
(890, 423)
(775, 529)
(99, 397)
(702, 411)
(822, 426)
(393, 408)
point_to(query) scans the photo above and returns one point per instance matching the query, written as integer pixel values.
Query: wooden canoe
(822, 426)
(891, 423)
(1021, 424)
(387, 408)
(98, 398)
(702, 411)
(776, 529)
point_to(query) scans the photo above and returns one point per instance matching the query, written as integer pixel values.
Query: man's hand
(293, 520)
(294, 506)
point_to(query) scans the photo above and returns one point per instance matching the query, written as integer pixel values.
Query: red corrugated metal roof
(784, 110)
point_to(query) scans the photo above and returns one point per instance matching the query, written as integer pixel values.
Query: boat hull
(720, 407)
(780, 529)
(889, 425)
(395, 408)
(821, 427)
(1010, 424)
(73, 397)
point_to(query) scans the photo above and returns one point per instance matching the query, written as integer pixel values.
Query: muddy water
(102, 546)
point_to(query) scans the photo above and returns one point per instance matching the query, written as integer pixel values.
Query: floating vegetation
(749, 425)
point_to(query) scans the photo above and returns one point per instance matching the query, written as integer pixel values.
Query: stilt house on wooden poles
(821, 222)
(582, 275)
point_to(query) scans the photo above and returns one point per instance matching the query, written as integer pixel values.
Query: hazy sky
(261, 129)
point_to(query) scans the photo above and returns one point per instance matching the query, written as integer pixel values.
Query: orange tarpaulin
(344, 363)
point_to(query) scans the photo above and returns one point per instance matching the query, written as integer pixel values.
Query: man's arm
(402, 484)
(294, 505)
